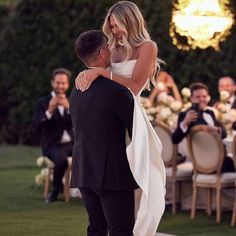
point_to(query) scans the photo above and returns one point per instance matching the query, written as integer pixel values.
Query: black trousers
(58, 154)
(109, 211)
(228, 165)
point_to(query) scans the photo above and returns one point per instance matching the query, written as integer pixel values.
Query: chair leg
(180, 193)
(209, 201)
(67, 185)
(194, 198)
(47, 183)
(233, 221)
(218, 204)
(173, 197)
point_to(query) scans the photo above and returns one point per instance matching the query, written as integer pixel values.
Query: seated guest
(192, 117)
(170, 87)
(52, 119)
(228, 84)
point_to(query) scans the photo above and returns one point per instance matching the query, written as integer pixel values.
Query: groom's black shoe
(52, 196)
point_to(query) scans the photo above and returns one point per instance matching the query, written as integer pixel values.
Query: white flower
(176, 106)
(169, 100)
(150, 118)
(151, 110)
(224, 95)
(40, 161)
(186, 106)
(186, 92)
(160, 86)
(163, 97)
(44, 172)
(221, 107)
(165, 112)
(145, 102)
(39, 179)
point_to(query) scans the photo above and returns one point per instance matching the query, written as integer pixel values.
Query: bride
(133, 64)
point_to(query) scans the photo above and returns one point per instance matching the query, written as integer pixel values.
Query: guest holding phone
(198, 114)
(52, 120)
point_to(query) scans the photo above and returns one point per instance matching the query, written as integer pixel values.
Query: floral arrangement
(41, 177)
(224, 113)
(166, 109)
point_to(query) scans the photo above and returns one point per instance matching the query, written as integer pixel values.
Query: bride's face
(116, 31)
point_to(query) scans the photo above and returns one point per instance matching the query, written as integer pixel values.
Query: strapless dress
(144, 157)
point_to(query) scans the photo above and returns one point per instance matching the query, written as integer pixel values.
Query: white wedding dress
(144, 156)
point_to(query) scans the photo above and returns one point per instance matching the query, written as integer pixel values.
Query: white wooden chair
(207, 152)
(175, 173)
(66, 179)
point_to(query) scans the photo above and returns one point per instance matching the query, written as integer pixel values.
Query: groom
(100, 169)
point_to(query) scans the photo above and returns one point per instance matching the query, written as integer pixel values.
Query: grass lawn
(24, 213)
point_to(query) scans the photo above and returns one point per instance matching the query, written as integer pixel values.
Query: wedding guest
(169, 86)
(227, 83)
(52, 120)
(204, 116)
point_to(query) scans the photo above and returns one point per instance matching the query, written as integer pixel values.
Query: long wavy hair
(130, 20)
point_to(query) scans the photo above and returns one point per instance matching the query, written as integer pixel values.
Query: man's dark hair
(88, 44)
(61, 71)
(197, 86)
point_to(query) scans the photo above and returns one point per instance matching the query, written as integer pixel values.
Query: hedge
(38, 36)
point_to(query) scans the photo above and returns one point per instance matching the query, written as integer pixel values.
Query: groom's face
(105, 55)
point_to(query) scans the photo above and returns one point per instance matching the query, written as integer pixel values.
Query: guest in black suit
(52, 119)
(100, 168)
(227, 83)
(204, 116)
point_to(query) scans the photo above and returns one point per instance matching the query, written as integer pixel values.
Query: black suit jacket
(100, 117)
(51, 130)
(178, 134)
(234, 104)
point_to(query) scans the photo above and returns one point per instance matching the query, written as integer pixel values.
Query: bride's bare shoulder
(149, 47)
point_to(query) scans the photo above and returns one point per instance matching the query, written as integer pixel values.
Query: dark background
(38, 36)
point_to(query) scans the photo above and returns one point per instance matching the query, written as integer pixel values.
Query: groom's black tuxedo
(100, 117)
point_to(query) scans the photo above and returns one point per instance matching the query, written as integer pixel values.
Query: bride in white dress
(133, 57)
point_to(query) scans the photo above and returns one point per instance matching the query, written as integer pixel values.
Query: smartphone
(195, 107)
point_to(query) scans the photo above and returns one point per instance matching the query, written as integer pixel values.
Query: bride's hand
(85, 78)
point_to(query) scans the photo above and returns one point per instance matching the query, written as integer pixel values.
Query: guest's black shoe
(52, 197)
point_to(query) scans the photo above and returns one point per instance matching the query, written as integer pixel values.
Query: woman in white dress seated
(133, 62)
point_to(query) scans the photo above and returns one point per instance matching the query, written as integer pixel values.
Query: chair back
(169, 150)
(206, 149)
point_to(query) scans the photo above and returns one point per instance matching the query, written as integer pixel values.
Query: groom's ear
(102, 52)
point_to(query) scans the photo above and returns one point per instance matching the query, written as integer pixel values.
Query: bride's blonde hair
(130, 20)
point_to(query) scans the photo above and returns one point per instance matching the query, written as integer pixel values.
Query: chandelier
(200, 23)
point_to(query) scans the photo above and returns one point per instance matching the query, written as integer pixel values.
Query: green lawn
(23, 211)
